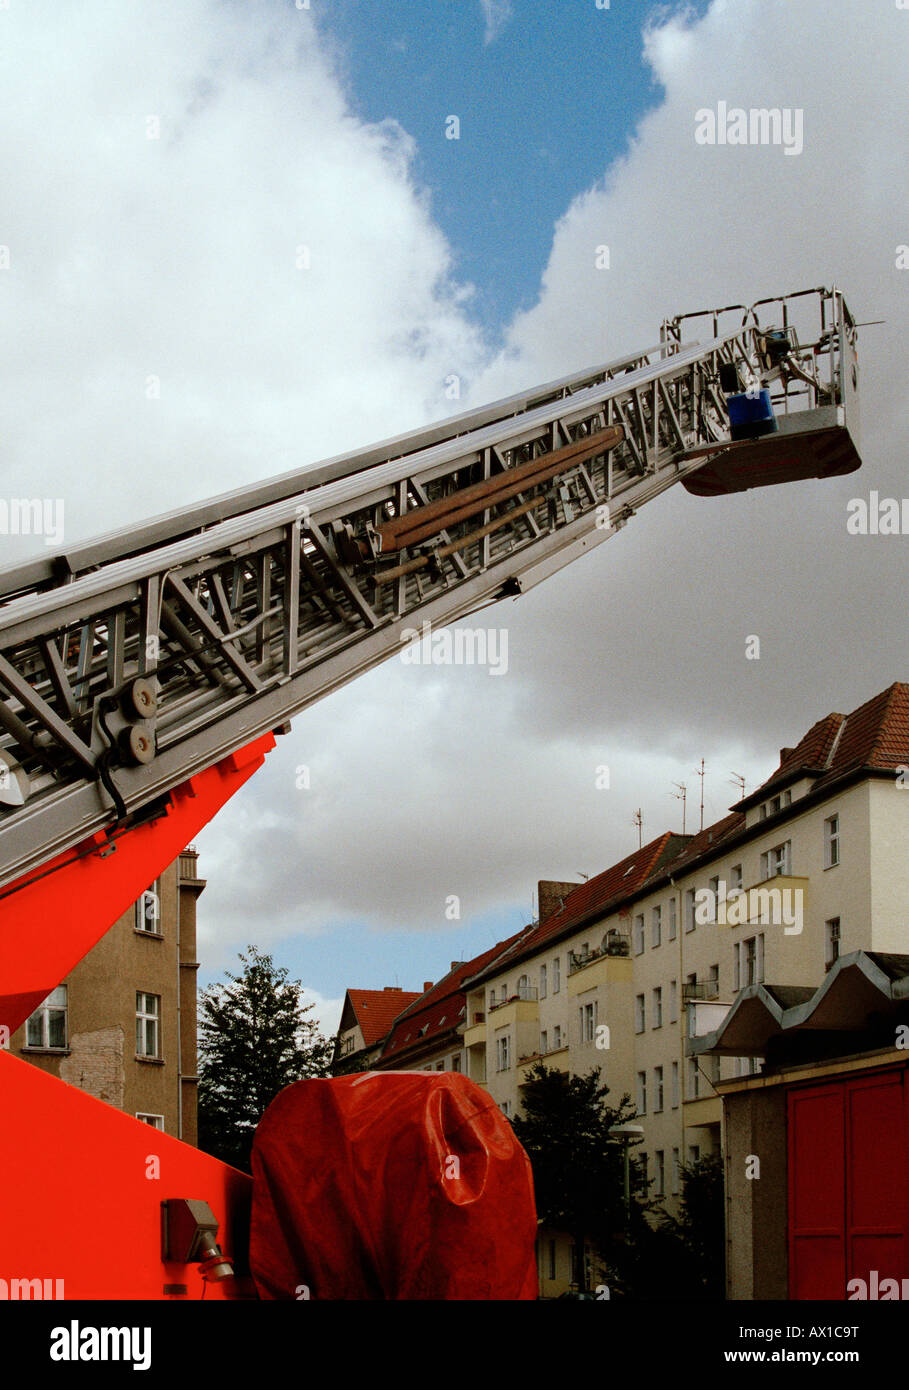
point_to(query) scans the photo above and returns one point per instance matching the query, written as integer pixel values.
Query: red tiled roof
(438, 1011)
(376, 1010)
(597, 895)
(874, 736)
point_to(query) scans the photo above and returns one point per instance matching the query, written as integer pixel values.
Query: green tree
(578, 1169)
(254, 1039)
(698, 1233)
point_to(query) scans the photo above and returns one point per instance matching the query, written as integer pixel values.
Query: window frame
(832, 841)
(42, 1014)
(143, 1019)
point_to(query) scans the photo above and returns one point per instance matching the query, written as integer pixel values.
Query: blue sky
(545, 104)
(175, 256)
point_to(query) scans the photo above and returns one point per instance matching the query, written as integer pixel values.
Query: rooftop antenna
(681, 795)
(739, 781)
(638, 820)
(580, 873)
(700, 773)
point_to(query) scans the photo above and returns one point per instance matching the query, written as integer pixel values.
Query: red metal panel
(48, 923)
(817, 1246)
(876, 1187)
(81, 1186)
(848, 1184)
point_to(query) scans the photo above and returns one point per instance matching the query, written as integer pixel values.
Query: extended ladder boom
(133, 662)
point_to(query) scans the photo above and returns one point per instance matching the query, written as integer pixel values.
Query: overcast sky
(162, 167)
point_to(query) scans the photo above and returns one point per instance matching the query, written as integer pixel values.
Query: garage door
(848, 1184)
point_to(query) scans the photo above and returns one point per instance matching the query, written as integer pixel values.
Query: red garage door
(848, 1184)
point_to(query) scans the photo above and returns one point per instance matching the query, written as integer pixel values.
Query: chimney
(550, 893)
(456, 963)
(393, 989)
(427, 985)
(786, 753)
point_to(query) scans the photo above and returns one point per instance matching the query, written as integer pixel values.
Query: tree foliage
(578, 1168)
(254, 1039)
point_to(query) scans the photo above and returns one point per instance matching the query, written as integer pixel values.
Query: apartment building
(654, 951)
(366, 1020)
(428, 1035)
(122, 1025)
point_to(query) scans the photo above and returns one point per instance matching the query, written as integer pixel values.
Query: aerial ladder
(144, 675)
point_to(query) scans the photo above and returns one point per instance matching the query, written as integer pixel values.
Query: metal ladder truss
(131, 663)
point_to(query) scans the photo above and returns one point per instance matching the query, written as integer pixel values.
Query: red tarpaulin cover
(383, 1185)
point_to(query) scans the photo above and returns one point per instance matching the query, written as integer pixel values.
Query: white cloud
(177, 258)
(132, 257)
(496, 13)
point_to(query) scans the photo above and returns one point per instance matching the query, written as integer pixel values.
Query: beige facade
(808, 882)
(122, 1025)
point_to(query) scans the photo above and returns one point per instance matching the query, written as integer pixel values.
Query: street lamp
(626, 1133)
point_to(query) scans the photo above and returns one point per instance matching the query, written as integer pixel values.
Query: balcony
(703, 990)
(526, 993)
(617, 944)
(475, 1035)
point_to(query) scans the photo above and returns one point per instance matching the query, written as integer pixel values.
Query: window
(694, 1079)
(656, 926)
(156, 1121)
(456, 1062)
(639, 934)
(556, 974)
(544, 1041)
(657, 1008)
(694, 1154)
(642, 1093)
(675, 1172)
(148, 910)
(642, 1175)
(148, 1024)
(587, 1017)
(640, 1018)
(557, 1036)
(505, 1108)
(657, 1089)
(552, 1259)
(47, 1026)
(673, 1001)
(737, 967)
(440, 1066)
(751, 961)
(831, 841)
(542, 981)
(715, 890)
(735, 878)
(659, 1176)
(674, 1082)
(690, 909)
(492, 998)
(503, 1052)
(831, 941)
(776, 861)
(672, 921)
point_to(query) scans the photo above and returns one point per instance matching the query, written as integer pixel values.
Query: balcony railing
(524, 992)
(704, 989)
(618, 944)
